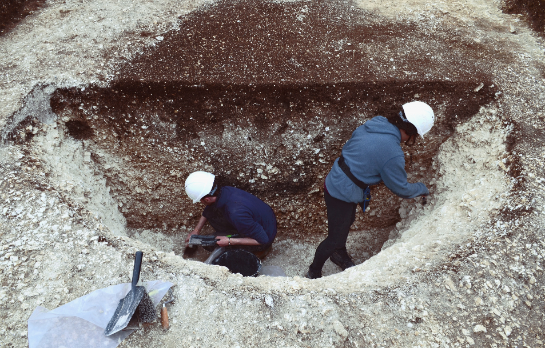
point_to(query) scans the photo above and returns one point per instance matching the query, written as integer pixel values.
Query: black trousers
(224, 228)
(340, 216)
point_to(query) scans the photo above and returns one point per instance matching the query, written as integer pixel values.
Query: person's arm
(247, 226)
(395, 178)
(198, 228)
(225, 241)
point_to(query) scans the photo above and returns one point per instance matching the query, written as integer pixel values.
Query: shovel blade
(125, 310)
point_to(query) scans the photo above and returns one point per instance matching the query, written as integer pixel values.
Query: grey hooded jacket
(373, 154)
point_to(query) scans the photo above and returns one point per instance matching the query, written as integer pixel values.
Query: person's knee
(339, 232)
(334, 243)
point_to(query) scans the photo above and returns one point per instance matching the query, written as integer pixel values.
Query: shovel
(127, 305)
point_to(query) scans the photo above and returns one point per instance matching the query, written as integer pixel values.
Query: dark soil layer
(266, 94)
(14, 11)
(260, 42)
(533, 10)
(277, 142)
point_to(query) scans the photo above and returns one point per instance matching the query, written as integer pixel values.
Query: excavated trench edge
(71, 124)
(167, 115)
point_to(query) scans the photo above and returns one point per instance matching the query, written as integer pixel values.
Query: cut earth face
(272, 124)
(107, 106)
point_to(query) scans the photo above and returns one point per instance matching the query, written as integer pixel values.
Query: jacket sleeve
(395, 178)
(245, 224)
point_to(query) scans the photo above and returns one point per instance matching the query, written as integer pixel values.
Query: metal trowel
(164, 311)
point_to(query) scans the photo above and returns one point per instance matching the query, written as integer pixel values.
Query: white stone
(479, 328)
(507, 330)
(339, 329)
(269, 301)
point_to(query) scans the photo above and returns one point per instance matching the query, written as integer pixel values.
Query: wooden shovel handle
(164, 317)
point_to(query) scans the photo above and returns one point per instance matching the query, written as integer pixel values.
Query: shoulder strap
(346, 170)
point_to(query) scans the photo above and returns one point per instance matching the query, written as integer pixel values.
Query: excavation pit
(436, 275)
(265, 94)
(277, 142)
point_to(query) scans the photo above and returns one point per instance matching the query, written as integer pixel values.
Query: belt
(346, 170)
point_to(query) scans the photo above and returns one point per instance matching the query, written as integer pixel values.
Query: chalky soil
(266, 94)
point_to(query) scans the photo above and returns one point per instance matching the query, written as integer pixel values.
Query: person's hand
(222, 241)
(190, 234)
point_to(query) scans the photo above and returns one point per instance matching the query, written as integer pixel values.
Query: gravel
(464, 270)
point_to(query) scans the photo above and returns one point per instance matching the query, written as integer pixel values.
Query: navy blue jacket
(373, 154)
(247, 214)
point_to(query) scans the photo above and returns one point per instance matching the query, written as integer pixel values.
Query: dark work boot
(343, 262)
(312, 274)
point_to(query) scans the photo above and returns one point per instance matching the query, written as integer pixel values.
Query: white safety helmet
(198, 185)
(420, 115)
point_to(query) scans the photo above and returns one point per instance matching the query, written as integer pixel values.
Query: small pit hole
(79, 129)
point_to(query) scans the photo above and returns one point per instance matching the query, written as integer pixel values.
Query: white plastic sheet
(81, 323)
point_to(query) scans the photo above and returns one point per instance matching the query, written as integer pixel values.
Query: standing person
(373, 154)
(231, 211)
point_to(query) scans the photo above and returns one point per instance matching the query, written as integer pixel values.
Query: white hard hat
(420, 115)
(198, 185)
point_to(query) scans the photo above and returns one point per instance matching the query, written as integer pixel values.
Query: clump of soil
(14, 11)
(533, 10)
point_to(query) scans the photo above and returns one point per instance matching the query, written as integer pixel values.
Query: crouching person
(240, 219)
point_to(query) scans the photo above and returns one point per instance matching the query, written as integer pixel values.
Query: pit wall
(470, 178)
(71, 169)
(278, 143)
